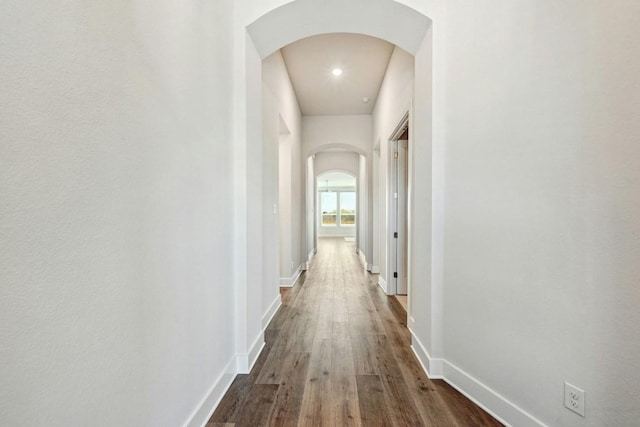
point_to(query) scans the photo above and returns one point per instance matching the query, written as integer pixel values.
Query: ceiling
(310, 62)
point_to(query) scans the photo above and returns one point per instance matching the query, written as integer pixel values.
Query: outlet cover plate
(574, 398)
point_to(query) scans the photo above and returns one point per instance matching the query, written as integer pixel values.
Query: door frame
(392, 208)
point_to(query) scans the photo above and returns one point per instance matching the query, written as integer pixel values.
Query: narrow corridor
(337, 353)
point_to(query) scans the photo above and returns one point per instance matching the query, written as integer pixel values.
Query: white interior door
(402, 180)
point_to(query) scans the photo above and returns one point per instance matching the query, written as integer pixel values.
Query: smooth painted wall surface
(336, 161)
(349, 132)
(425, 213)
(271, 205)
(542, 236)
(249, 215)
(336, 16)
(310, 201)
(283, 113)
(115, 293)
(363, 238)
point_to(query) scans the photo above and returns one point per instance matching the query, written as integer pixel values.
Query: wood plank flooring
(337, 354)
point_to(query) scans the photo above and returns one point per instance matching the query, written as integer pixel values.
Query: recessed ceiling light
(336, 71)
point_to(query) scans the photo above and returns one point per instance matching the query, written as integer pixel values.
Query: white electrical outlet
(574, 398)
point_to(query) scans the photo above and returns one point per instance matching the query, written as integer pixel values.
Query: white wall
(284, 205)
(280, 108)
(426, 206)
(542, 188)
(114, 168)
(350, 132)
(310, 202)
(363, 236)
(336, 161)
(272, 206)
(394, 100)
(249, 216)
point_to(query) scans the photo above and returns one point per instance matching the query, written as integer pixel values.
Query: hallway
(337, 353)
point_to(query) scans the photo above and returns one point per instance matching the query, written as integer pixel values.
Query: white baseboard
(306, 265)
(271, 311)
(255, 351)
(498, 406)
(288, 282)
(363, 258)
(240, 363)
(246, 361)
(494, 404)
(382, 283)
(210, 401)
(375, 269)
(431, 366)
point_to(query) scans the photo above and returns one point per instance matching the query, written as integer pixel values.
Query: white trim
(363, 258)
(431, 366)
(289, 282)
(239, 363)
(271, 311)
(382, 283)
(246, 361)
(242, 363)
(496, 405)
(375, 269)
(493, 403)
(255, 351)
(212, 398)
(306, 265)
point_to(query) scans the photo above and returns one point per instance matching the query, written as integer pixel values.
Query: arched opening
(271, 32)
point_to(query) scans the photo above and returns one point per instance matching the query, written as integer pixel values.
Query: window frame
(338, 223)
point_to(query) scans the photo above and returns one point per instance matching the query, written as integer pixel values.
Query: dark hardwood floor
(337, 354)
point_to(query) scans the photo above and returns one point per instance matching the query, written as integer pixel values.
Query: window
(338, 208)
(348, 208)
(329, 208)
